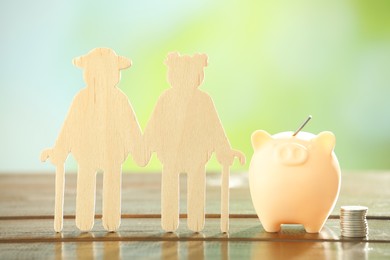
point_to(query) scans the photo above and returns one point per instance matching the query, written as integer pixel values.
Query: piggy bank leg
(85, 198)
(196, 189)
(112, 198)
(271, 226)
(169, 199)
(314, 226)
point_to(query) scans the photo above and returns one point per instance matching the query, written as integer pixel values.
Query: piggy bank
(294, 179)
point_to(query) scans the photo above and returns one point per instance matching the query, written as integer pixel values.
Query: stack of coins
(353, 221)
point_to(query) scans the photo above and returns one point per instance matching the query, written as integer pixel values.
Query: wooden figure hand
(46, 154)
(141, 154)
(227, 158)
(239, 155)
(142, 158)
(52, 155)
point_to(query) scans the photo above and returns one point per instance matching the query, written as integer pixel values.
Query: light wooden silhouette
(184, 130)
(100, 131)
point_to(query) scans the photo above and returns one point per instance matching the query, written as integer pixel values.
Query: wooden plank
(143, 238)
(12, 231)
(195, 250)
(141, 194)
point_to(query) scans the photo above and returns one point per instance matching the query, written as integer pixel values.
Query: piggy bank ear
(259, 138)
(327, 140)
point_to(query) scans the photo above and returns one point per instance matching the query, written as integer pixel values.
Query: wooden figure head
(185, 71)
(102, 67)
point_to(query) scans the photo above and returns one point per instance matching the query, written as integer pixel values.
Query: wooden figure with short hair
(100, 131)
(185, 130)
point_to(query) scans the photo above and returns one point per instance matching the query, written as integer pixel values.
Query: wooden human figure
(100, 131)
(184, 130)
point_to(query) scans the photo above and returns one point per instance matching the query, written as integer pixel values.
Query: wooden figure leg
(85, 198)
(112, 179)
(196, 194)
(225, 198)
(170, 199)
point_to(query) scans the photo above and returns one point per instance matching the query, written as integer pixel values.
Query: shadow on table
(88, 249)
(192, 248)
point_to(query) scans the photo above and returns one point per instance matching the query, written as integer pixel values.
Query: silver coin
(353, 221)
(355, 230)
(354, 208)
(353, 212)
(354, 235)
(353, 215)
(348, 213)
(349, 234)
(353, 225)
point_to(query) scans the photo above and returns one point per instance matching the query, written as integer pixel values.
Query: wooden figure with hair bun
(100, 131)
(185, 130)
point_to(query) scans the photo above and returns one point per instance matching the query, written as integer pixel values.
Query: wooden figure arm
(141, 154)
(58, 154)
(217, 136)
(62, 147)
(136, 143)
(151, 138)
(224, 153)
(225, 156)
(147, 146)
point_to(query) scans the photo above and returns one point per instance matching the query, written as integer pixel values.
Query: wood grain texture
(196, 250)
(185, 130)
(100, 131)
(140, 236)
(143, 229)
(141, 194)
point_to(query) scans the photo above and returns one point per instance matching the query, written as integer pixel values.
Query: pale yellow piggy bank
(294, 179)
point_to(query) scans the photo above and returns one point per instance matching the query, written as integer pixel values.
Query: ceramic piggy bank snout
(294, 179)
(290, 154)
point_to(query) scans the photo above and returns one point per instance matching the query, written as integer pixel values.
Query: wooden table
(26, 223)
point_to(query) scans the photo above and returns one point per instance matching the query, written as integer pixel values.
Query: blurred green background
(271, 63)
